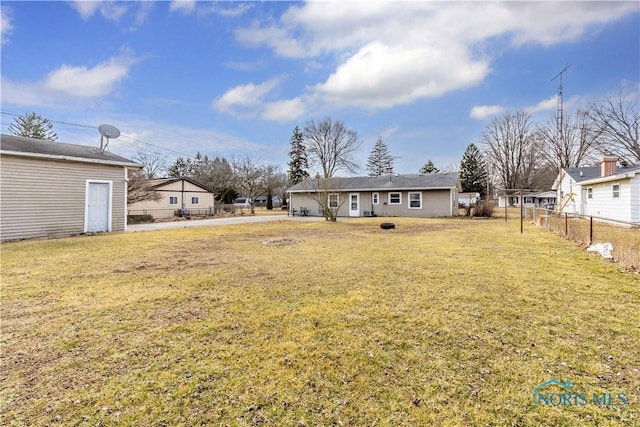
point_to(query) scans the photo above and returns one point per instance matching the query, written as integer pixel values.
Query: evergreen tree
(33, 126)
(473, 171)
(299, 164)
(380, 160)
(429, 167)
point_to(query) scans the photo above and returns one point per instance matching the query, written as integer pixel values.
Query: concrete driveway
(217, 221)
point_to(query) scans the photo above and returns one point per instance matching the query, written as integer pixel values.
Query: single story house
(178, 197)
(422, 195)
(532, 199)
(52, 189)
(607, 191)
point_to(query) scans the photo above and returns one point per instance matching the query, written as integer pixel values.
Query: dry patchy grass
(438, 322)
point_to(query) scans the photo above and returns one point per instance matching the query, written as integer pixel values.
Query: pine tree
(380, 160)
(33, 126)
(473, 172)
(299, 164)
(429, 167)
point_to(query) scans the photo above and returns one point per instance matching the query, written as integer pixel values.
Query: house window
(395, 198)
(415, 200)
(333, 201)
(375, 198)
(528, 200)
(589, 193)
(173, 200)
(194, 200)
(616, 190)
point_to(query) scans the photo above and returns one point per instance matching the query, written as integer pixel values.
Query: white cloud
(284, 111)
(5, 25)
(68, 83)
(386, 55)
(108, 9)
(482, 112)
(245, 100)
(380, 76)
(232, 12)
(548, 104)
(183, 6)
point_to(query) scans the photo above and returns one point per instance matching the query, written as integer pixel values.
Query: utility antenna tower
(560, 113)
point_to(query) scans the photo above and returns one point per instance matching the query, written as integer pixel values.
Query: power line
(96, 127)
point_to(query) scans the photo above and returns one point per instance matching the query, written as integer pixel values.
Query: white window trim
(197, 200)
(337, 201)
(395, 192)
(375, 198)
(86, 203)
(173, 197)
(409, 199)
(613, 191)
(589, 193)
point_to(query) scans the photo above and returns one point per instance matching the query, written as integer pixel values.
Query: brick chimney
(608, 165)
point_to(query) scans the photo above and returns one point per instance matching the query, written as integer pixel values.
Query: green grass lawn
(438, 322)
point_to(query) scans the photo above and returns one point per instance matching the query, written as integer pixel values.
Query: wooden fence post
(566, 224)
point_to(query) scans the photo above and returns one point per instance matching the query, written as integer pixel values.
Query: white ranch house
(607, 191)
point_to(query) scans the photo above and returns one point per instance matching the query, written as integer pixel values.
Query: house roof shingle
(382, 183)
(29, 147)
(594, 172)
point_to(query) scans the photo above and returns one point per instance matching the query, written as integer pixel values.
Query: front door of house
(98, 204)
(354, 204)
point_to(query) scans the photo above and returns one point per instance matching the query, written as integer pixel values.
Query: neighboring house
(428, 195)
(540, 199)
(262, 201)
(178, 197)
(467, 199)
(608, 191)
(51, 189)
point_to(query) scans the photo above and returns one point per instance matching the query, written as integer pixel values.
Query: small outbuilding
(52, 189)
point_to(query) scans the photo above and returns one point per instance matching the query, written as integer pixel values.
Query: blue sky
(235, 78)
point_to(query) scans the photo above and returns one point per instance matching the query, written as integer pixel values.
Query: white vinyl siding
(46, 198)
(605, 205)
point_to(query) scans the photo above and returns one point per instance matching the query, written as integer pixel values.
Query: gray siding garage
(51, 189)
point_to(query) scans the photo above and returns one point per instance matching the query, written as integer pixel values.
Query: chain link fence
(590, 230)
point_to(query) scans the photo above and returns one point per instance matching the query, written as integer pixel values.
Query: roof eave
(130, 165)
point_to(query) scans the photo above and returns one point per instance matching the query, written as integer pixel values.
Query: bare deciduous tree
(577, 144)
(331, 144)
(154, 164)
(512, 150)
(252, 178)
(139, 188)
(617, 117)
(325, 192)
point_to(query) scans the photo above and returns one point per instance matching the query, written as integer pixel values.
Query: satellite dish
(108, 132)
